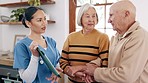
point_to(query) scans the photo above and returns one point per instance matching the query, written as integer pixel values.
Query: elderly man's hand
(90, 68)
(88, 79)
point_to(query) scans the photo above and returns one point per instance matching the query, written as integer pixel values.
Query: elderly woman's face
(89, 19)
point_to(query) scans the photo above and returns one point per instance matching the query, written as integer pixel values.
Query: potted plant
(16, 14)
(37, 2)
(34, 2)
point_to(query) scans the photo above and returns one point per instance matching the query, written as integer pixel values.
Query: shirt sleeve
(22, 56)
(64, 58)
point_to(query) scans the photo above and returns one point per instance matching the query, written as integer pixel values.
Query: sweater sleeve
(102, 60)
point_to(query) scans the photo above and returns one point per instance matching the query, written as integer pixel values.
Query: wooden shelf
(19, 23)
(11, 23)
(19, 4)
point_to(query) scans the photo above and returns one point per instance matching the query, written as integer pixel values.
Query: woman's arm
(29, 74)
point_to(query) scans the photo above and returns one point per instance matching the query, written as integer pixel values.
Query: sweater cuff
(97, 61)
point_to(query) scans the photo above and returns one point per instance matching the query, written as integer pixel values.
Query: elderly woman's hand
(72, 70)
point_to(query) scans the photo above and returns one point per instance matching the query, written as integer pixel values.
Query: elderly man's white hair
(83, 9)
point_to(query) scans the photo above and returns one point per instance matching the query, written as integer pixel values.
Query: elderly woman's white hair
(83, 9)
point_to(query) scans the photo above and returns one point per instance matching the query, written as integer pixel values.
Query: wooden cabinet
(20, 4)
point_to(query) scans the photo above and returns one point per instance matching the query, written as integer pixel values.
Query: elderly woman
(84, 46)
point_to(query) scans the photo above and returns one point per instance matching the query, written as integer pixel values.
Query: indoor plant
(16, 14)
(37, 2)
(34, 2)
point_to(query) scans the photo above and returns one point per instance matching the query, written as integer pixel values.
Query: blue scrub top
(22, 57)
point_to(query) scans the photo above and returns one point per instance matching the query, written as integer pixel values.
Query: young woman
(30, 65)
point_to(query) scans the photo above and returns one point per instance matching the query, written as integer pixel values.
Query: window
(102, 7)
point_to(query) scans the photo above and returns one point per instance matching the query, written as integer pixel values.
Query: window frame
(72, 14)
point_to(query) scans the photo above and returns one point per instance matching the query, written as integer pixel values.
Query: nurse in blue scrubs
(30, 65)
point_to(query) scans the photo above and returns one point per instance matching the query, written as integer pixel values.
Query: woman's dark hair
(28, 15)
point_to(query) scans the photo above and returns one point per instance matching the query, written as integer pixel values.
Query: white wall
(59, 30)
(142, 13)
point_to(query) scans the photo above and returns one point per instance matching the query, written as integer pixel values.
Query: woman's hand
(72, 70)
(33, 46)
(88, 79)
(80, 74)
(53, 77)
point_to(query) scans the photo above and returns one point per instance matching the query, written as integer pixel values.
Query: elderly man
(128, 54)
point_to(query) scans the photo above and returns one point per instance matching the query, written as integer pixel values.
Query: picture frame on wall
(18, 38)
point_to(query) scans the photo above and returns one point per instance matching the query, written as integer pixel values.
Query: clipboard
(48, 63)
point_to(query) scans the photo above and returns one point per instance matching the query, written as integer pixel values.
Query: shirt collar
(129, 31)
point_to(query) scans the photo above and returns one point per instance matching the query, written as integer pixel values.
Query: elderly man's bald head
(122, 16)
(124, 5)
